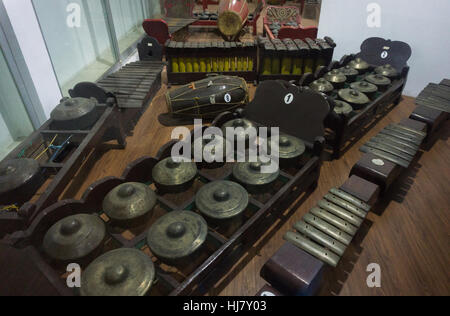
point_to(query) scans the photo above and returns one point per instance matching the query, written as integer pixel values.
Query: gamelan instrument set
(168, 226)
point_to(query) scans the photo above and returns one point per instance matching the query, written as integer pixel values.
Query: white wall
(27, 30)
(424, 25)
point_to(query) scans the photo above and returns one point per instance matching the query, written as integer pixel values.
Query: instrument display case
(222, 247)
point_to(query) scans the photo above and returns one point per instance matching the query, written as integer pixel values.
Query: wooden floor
(410, 241)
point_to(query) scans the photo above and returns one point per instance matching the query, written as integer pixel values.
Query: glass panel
(77, 39)
(15, 125)
(128, 17)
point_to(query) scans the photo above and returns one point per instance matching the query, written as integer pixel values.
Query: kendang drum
(208, 97)
(233, 15)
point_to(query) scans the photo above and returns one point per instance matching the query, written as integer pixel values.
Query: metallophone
(317, 243)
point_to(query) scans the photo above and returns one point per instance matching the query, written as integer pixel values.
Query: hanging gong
(177, 235)
(354, 97)
(120, 272)
(17, 173)
(221, 199)
(289, 147)
(245, 130)
(322, 85)
(174, 172)
(341, 107)
(74, 237)
(387, 71)
(215, 146)
(252, 173)
(336, 77)
(129, 201)
(365, 87)
(75, 114)
(380, 81)
(359, 64)
(349, 72)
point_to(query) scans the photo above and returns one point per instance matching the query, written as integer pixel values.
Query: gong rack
(122, 97)
(343, 131)
(222, 248)
(76, 145)
(296, 268)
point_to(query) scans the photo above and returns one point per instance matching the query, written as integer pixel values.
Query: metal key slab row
(334, 220)
(340, 212)
(346, 205)
(312, 248)
(328, 229)
(320, 238)
(350, 198)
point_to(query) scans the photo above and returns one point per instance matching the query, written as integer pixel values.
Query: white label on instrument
(212, 99)
(289, 98)
(384, 54)
(267, 293)
(378, 162)
(227, 98)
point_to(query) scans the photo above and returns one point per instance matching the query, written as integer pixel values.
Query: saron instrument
(120, 272)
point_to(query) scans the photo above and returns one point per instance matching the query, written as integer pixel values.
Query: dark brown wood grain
(293, 271)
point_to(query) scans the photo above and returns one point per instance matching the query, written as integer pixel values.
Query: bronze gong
(380, 81)
(74, 237)
(120, 272)
(336, 77)
(349, 72)
(359, 64)
(251, 173)
(221, 200)
(129, 201)
(174, 172)
(321, 85)
(245, 130)
(177, 235)
(354, 97)
(342, 107)
(16, 173)
(387, 71)
(289, 147)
